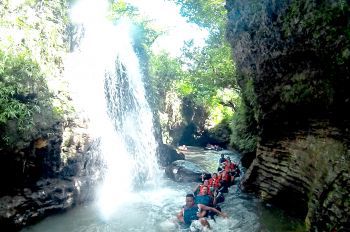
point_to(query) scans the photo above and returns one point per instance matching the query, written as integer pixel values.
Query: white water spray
(106, 79)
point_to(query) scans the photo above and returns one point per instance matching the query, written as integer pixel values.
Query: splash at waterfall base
(60, 187)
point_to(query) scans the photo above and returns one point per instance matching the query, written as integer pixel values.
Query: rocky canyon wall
(293, 62)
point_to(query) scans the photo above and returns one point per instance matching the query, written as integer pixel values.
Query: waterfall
(107, 83)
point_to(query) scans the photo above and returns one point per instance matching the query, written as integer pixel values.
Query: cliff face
(53, 173)
(53, 169)
(293, 59)
(307, 173)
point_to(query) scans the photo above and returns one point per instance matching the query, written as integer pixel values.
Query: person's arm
(215, 195)
(196, 189)
(180, 216)
(202, 212)
(204, 207)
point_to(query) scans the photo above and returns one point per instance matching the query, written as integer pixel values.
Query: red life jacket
(229, 167)
(214, 182)
(208, 192)
(226, 177)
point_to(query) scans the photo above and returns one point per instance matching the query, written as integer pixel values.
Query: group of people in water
(213, 147)
(203, 203)
(207, 147)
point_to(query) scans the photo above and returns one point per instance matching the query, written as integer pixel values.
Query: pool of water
(155, 209)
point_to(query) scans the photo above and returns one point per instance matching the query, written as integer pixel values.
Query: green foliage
(185, 88)
(38, 27)
(121, 9)
(205, 75)
(244, 129)
(24, 28)
(303, 90)
(144, 31)
(31, 49)
(164, 71)
(326, 25)
(323, 27)
(248, 91)
(323, 14)
(219, 113)
(210, 14)
(223, 106)
(208, 69)
(23, 94)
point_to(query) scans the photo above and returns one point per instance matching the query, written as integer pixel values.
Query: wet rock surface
(50, 196)
(50, 175)
(185, 171)
(167, 154)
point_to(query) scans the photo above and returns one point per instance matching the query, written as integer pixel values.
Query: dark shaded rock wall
(167, 154)
(294, 57)
(56, 171)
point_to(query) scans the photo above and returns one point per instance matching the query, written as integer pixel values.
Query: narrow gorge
(271, 83)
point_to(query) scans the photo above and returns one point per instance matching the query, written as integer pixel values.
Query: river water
(155, 208)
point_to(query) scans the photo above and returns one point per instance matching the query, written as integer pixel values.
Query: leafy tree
(31, 49)
(144, 31)
(164, 71)
(23, 95)
(209, 14)
(212, 78)
(209, 69)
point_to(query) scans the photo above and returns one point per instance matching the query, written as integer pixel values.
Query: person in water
(230, 169)
(199, 188)
(224, 181)
(203, 197)
(214, 185)
(192, 211)
(214, 182)
(221, 162)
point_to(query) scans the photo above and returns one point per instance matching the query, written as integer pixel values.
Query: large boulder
(58, 170)
(167, 154)
(49, 196)
(185, 171)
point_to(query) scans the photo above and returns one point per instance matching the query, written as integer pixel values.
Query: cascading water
(108, 83)
(105, 77)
